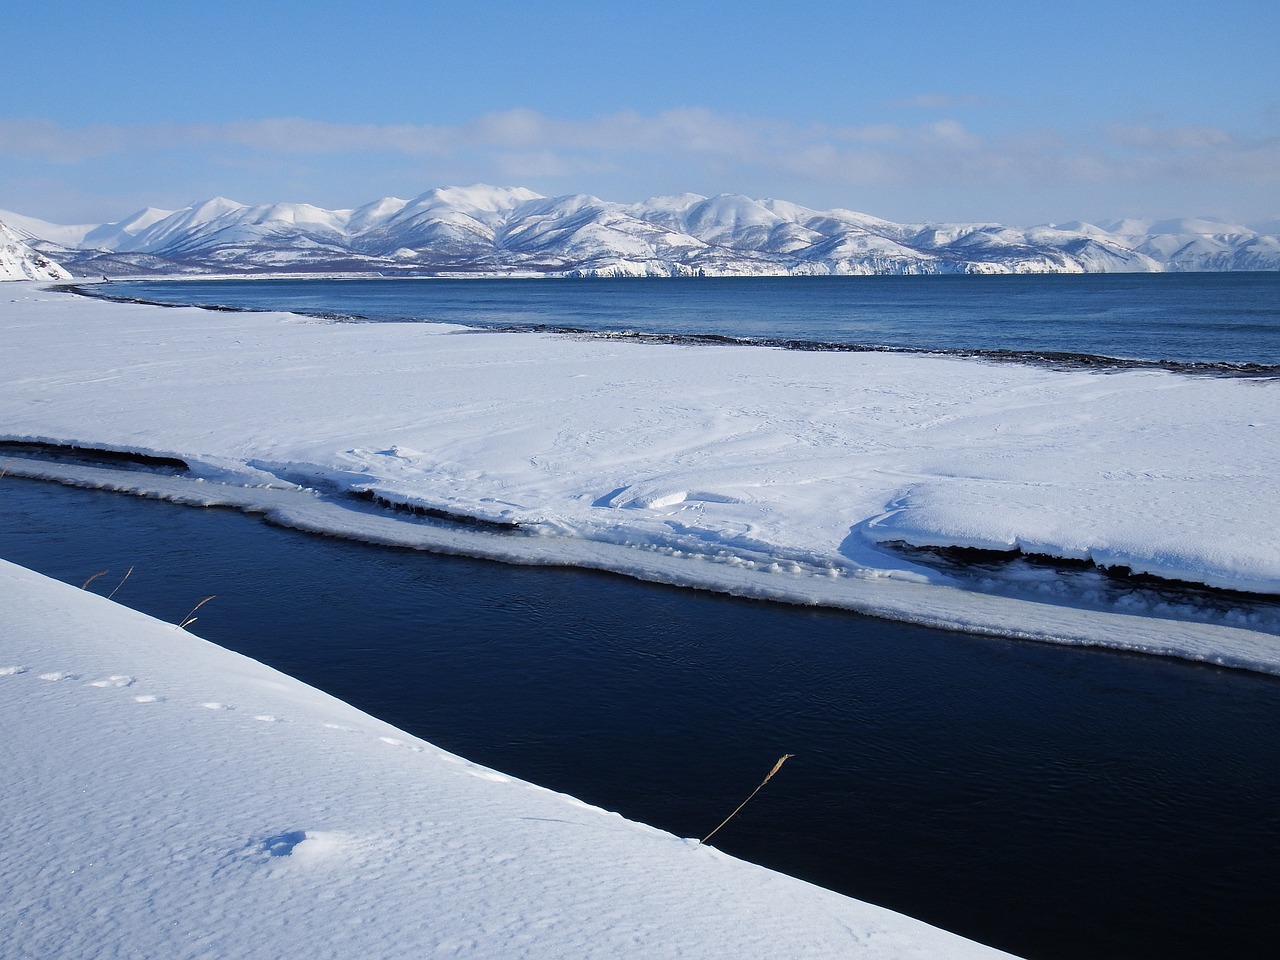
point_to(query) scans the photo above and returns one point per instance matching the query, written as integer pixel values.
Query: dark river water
(1052, 801)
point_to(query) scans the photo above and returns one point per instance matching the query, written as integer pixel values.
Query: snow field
(755, 471)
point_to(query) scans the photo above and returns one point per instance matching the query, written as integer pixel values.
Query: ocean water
(1221, 320)
(1057, 802)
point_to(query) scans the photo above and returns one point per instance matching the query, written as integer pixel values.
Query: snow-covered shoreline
(167, 797)
(756, 472)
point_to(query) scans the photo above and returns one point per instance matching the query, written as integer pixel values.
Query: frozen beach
(759, 472)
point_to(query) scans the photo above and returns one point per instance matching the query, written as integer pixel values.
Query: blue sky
(1017, 112)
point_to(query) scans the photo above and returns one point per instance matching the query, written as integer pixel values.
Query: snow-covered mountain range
(510, 230)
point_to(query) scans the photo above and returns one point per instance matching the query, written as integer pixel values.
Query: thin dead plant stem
(100, 573)
(121, 583)
(769, 776)
(190, 618)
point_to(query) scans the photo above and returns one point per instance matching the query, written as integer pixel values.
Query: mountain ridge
(18, 261)
(488, 230)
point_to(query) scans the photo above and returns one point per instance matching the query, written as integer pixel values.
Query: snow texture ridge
(503, 230)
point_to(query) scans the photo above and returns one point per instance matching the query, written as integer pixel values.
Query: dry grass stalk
(100, 573)
(190, 618)
(121, 583)
(776, 767)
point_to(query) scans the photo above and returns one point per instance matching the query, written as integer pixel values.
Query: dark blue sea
(1184, 319)
(1053, 801)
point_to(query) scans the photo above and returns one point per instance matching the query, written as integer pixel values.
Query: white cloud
(680, 131)
(47, 140)
(673, 150)
(1169, 139)
(518, 166)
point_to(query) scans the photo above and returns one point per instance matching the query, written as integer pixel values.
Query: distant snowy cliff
(19, 262)
(506, 230)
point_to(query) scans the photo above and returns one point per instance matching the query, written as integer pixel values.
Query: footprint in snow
(149, 698)
(282, 845)
(214, 705)
(303, 845)
(267, 718)
(115, 680)
(11, 671)
(59, 675)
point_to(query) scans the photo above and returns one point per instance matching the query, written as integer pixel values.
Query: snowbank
(755, 471)
(165, 797)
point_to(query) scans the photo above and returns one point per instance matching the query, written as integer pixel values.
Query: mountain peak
(480, 196)
(490, 229)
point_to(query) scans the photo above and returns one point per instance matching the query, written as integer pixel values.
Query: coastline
(714, 496)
